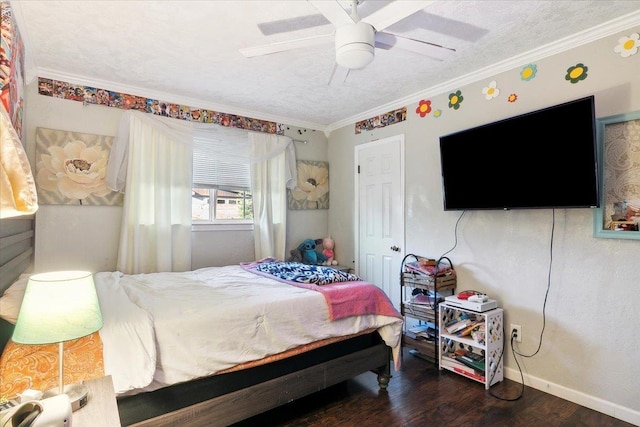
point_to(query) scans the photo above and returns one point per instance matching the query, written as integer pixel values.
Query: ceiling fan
(356, 39)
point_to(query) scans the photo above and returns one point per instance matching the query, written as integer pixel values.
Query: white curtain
(156, 222)
(151, 162)
(273, 170)
(18, 194)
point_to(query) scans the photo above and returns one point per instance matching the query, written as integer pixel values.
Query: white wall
(72, 237)
(590, 351)
(86, 237)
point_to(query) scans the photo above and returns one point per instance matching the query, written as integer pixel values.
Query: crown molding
(595, 33)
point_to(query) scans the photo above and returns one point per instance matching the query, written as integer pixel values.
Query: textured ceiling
(188, 51)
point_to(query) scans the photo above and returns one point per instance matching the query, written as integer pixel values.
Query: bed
(299, 337)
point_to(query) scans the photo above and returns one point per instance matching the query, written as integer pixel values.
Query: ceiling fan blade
(338, 75)
(286, 45)
(333, 12)
(394, 12)
(432, 50)
(292, 24)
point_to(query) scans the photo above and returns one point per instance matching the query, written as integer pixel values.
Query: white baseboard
(591, 402)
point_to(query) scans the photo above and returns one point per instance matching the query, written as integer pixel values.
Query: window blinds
(221, 163)
(222, 156)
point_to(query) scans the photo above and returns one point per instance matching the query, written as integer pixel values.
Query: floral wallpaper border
(71, 168)
(125, 101)
(382, 120)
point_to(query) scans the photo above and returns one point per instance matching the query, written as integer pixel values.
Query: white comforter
(164, 328)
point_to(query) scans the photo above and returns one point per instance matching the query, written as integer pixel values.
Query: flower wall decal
(312, 189)
(528, 72)
(455, 99)
(491, 91)
(512, 98)
(71, 168)
(424, 107)
(628, 46)
(576, 73)
(437, 113)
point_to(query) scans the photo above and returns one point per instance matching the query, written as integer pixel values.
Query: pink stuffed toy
(327, 251)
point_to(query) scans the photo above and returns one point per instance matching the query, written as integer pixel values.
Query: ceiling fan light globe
(355, 55)
(355, 45)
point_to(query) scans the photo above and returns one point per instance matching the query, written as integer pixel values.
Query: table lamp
(59, 306)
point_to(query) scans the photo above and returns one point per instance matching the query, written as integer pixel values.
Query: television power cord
(544, 306)
(455, 235)
(521, 392)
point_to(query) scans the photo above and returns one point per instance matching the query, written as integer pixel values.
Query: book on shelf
(426, 331)
(465, 320)
(427, 297)
(472, 357)
(429, 269)
(422, 299)
(471, 374)
(422, 327)
(471, 361)
(416, 310)
(457, 326)
(450, 362)
(467, 331)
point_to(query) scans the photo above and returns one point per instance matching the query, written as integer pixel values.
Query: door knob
(395, 248)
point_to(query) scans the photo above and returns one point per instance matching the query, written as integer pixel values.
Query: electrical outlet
(518, 332)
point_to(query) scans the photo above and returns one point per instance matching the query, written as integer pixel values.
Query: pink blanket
(353, 299)
(344, 298)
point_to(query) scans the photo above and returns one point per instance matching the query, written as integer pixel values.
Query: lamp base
(78, 394)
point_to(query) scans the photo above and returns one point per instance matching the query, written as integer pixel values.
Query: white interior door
(380, 213)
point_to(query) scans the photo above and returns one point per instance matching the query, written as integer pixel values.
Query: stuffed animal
(309, 255)
(327, 251)
(296, 256)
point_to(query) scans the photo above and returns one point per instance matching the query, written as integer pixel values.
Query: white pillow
(11, 300)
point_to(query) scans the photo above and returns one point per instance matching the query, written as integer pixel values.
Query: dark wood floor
(420, 395)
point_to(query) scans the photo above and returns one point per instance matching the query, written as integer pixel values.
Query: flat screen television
(542, 159)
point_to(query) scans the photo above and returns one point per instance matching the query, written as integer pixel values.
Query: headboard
(16, 248)
(16, 257)
(6, 331)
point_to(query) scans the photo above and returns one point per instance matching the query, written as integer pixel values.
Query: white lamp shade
(58, 306)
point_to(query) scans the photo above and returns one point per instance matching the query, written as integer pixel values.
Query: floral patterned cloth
(35, 367)
(304, 273)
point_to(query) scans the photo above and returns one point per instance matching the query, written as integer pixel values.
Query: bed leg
(384, 372)
(383, 381)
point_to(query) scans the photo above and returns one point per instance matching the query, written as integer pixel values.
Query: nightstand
(101, 409)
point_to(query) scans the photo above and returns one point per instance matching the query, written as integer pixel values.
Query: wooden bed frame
(219, 399)
(228, 398)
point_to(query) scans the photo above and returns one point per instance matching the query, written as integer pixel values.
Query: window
(213, 205)
(221, 192)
